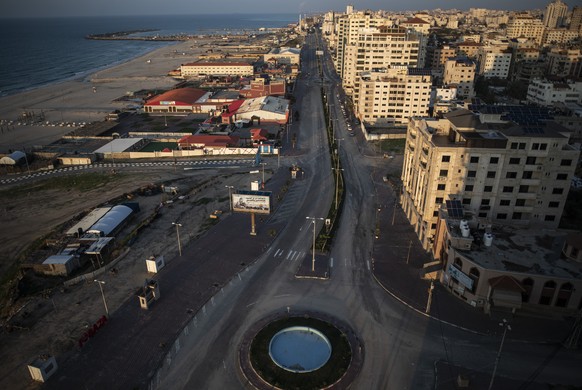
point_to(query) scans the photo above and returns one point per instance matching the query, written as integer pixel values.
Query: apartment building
(494, 61)
(381, 47)
(500, 171)
(469, 49)
(553, 36)
(564, 63)
(461, 73)
(392, 95)
(555, 14)
(348, 30)
(524, 25)
(547, 93)
(437, 56)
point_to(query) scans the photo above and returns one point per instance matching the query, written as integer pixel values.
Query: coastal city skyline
(70, 8)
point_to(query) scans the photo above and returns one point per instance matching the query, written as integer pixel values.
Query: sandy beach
(90, 98)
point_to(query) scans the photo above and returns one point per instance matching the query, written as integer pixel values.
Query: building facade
(461, 73)
(392, 95)
(555, 14)
(524, 25)
(501, 172)
(197, 69)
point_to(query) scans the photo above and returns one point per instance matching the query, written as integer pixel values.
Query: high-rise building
(500, 171)
(392, 95)
(524, 25)
(381, 47)
(576, 18)
(555, 14)
(494, 61)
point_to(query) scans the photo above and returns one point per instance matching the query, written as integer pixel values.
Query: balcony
(530, 182)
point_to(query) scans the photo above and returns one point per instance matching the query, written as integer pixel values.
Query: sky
(55, 8)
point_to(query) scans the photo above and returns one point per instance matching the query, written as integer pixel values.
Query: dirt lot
(40, 315)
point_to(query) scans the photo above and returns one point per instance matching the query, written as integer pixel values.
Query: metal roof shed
(14, 158)
(60, 265)
(111, 221)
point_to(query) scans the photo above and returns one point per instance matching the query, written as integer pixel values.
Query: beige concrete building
(524, 25)
(197, 69)
(500, 171)
(555, 14)
(381, 48)
(392, 95)
(494, 61)
(548, 93)
(283, 55)
(461, 73)
(438, 56)
(417, 24)
(500, 267)
(564, 63)
(554, 36)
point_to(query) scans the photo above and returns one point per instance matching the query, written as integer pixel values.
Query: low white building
(548, 93)
(283, 55)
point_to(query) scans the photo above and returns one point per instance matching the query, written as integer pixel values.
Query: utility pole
(429, 302)
(313, 219)
(178, 225)
(230, 196)
(100, 283)
(506, 327)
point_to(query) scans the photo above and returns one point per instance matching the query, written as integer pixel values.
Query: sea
(36, 52)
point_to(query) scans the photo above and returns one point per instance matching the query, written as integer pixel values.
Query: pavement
(403, 281)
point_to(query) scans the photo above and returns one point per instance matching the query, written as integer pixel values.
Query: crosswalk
(288, 255)
(89, 167)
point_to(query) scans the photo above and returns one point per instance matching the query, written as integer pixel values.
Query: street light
(506, 327)
(263, 183)
(100, 282)
(178, 225)
(313, 251)
(230, 196)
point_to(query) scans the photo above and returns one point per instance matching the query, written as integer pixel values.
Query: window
(558, 191)
(513, 145)
(469, 187)
(494, 160)
(441, 187)
(535, 146)
(547, 293)
(474, 274)
(444, 172)
(530, 161)
(550, 218)
(501, 216)
(490, 174)
(433, 226)
(527, 285)
(521, 145)
(520, 202)
(474, 159)
(566, 163)
(483, 214)
(543, 146)
(554, 205)
(466, 201)
(488, 189)
(562, 176)
(516, 215)
(438, 200)
(435, 213)
(446, 158)
(507, 189)
(514, 160)
(471, 173)
(504, 202)
(485, 202)
(511, 175)
(564, 294)
(523, 189)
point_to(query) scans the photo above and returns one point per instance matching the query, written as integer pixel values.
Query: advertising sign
(460, 276)
(258, 202)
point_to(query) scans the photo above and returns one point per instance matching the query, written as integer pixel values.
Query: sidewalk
(403, 281)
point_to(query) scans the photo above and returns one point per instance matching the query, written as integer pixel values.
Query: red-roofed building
(229, 113)
(259, 135)
(417, 24)
(181, 100)
(202, 141)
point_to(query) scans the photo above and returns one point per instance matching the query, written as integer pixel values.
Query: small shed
(60, 265)
(14, 158)
(42, 368)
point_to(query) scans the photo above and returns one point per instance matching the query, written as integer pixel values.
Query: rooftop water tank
(488, 239)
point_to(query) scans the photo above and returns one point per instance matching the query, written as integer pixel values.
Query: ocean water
(39, 51)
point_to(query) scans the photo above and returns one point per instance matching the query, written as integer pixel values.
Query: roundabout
(300, 350)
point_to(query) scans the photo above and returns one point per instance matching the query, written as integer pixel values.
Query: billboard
(252, 202)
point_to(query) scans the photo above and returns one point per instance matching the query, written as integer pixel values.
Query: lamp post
(178, 225)
(100, 282)
(313, 219)
(337, 170)
(263, 183)
(506, 327)
(230, 196)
